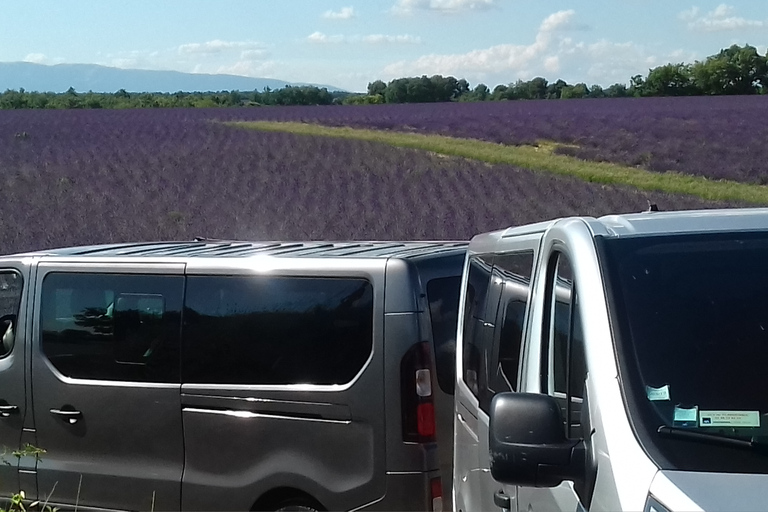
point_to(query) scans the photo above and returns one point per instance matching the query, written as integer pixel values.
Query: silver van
(216, 375)
(615, 364)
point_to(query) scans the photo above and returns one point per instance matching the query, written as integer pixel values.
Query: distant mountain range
(91, 77)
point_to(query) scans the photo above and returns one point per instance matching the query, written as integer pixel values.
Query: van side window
(10, 299)
(112, 326)
(443, 297)
(563, 364)
(276, 330)
(515, 271)
(475, 334)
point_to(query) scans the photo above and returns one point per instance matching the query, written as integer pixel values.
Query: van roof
(686, 221)
(242, 249)
(656, 223)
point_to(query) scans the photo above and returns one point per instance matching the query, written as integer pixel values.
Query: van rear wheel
(295, 507)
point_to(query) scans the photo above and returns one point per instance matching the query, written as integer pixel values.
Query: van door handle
(7, 410)
(502, 500)
(70, 416)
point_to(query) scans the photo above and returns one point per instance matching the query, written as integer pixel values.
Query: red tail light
(426, 420)
(436, 488)
(417, 402)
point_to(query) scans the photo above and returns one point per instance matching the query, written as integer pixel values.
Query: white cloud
(346, 13)
(36, 58)
(125, 62)
(243, 68)
(499, 58)
(253, 54)
(552, 54)
(385, 39)
(552, 64)
(217, 46)
(448, 6)
(721, 19)
(320, 38)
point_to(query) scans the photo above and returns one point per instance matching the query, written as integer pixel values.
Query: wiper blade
(718, 439)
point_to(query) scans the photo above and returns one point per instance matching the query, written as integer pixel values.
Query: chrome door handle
(7, 410)
(70, 416)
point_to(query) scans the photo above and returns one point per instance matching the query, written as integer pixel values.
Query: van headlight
(653, 505)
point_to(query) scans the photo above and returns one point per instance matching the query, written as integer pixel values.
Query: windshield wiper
(719, 439)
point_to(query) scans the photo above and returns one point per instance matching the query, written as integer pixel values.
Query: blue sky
(350, 43)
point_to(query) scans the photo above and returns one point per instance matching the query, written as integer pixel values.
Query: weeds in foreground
(17, 501)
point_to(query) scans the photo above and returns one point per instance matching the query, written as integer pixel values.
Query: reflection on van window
(112, 327)
(693, 317)
(478, 281)
(514, 270)
(276, 330)
(10, 298)
(443, 297)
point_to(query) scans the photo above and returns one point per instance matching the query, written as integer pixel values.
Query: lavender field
(80, 177)
(721, 137)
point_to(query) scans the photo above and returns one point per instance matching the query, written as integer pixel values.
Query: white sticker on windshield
(657, 394)
(729, 419)
(686, 416)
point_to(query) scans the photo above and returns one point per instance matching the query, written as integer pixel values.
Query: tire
(295, 508)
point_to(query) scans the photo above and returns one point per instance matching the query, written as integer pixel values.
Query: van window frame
(12, 318)
(570, 405)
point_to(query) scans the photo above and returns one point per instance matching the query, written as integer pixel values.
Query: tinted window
(276, 330)
(692, 318)
(112, 327)
(563, 364)
(443, 296)
(515, 271)
(10, 298)
(474, 335)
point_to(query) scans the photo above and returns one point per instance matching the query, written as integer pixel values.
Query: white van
(615, 364)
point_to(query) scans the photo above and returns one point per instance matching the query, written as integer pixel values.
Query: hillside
(90, 77)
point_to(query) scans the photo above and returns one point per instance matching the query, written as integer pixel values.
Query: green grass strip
(535, 159)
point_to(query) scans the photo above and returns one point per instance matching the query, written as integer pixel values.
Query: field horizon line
(541, 158)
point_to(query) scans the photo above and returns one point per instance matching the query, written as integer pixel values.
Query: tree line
(71, 99)
(734, 70)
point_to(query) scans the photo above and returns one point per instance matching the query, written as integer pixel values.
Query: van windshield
(690, 314)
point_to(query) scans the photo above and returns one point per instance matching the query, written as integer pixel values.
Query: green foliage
(300, 95)
(16, 502)
(670, 80)
(735, 70)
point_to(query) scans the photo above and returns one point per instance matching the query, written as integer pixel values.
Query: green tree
(616, 91)
(579, 90)
(670, 80)
(734, 70)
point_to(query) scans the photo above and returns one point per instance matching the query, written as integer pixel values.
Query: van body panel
(323, 440)
(95, 459)
(14, 399)
(440, 279)
(403, 288)
(406, 492)
(688, 490)
(402, 329)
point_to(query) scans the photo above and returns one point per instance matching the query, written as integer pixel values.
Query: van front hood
(689, 491)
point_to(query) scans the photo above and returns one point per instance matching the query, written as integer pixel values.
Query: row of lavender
(724, 137)
(80, 177)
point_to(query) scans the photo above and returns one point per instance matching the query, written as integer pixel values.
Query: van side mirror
(527, 442)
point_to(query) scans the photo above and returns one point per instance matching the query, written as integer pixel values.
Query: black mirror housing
(527, 442)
